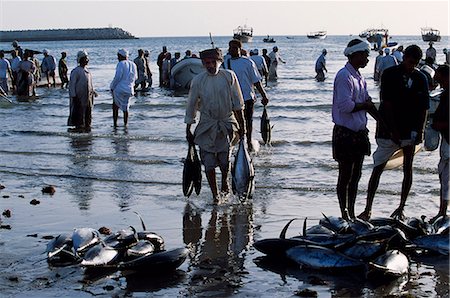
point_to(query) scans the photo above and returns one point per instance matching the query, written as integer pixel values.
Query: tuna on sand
(380, 248)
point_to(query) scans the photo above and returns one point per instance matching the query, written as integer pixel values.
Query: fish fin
(304, 227)
(142, 221)
(326, 218)
(283, 232)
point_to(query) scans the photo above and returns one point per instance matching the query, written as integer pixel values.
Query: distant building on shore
(65, 34)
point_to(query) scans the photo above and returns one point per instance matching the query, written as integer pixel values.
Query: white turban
(81, 54)
(359, 47)
(123, 53)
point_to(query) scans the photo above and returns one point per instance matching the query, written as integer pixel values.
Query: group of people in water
(404, 101)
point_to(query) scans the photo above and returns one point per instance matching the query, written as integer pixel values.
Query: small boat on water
(430, 34)
(243, 33)
(269, 39)
(317, 35)
(372, 35)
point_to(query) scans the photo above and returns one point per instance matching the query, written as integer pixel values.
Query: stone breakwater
(65, 34)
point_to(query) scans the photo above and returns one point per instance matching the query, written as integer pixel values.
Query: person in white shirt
(217, 95)
(386, 62)
(398, 54)
(5, 70)
(15, 64)
(122, 86)
(248, 77)
(274, 59)
(260, 63)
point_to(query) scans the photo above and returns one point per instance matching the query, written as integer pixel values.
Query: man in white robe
(122, 86)
(216, 94)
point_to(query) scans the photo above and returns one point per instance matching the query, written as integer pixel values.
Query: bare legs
(408, 153)
(347, 186)
(116, 115)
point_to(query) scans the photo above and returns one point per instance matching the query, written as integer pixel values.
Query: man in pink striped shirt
(351, 103)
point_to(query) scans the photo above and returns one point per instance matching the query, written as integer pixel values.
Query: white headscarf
(123, 53)
(359, 47)
(81, 54)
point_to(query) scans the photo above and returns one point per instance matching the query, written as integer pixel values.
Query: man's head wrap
(212, 53)
(81, 54)
(359, 46)
(123, 53)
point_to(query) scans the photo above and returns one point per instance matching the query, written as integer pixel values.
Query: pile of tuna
(123, 250)
(379, 248)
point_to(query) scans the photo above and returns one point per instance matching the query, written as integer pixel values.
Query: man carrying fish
(351, 103)
(217, 95)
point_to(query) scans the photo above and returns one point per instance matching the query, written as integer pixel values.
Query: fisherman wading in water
(216, 94)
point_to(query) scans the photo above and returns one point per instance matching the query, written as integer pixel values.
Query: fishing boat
(243, 33)
(317, 35)
(269, 39)
(373, 34)
(430, 34)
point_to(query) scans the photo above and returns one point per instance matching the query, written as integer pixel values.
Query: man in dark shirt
(404, 100)
(441, 124)
(159, 62)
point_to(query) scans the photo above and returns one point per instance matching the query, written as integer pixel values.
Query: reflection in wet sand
(218, 261)
(120, 143)
(81, 189)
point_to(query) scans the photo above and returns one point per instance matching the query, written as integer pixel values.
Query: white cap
(123, 53)
(45, 51)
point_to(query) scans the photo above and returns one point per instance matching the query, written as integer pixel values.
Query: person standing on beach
(386, 62)
(351, 103)
(5, 70)
(321, 66)
(376, 69)
(141, 70)
(81, 92)
(248, 77)
(63, 69)
(275, 58)
(48, 67)
(159, 62)
(447, 55)
(441, 124)
(217, 95)
(122, 86)
(404, 101)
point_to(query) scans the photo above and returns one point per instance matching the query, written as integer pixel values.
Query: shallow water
(103, 176)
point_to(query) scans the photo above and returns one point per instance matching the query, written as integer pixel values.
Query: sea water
(102, 177)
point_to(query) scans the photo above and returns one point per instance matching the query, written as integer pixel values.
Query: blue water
(102, 177)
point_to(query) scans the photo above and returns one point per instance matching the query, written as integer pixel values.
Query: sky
(148, 18)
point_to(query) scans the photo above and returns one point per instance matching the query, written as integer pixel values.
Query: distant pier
(65, 34)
